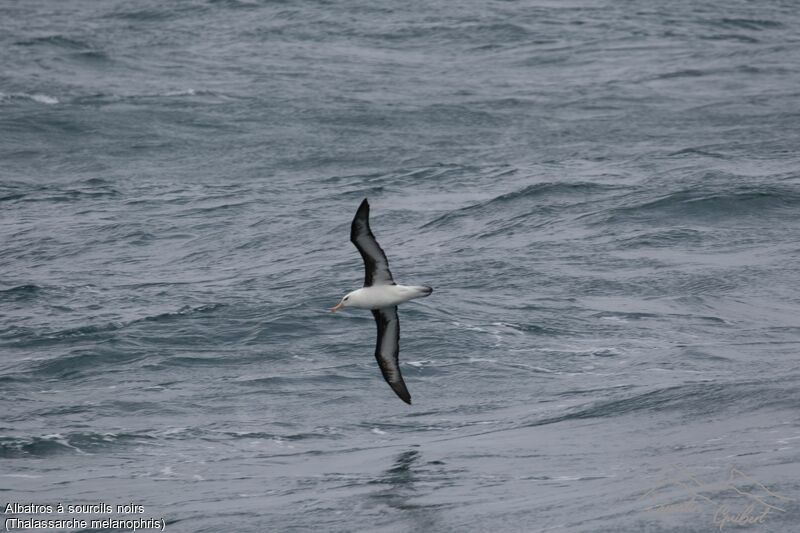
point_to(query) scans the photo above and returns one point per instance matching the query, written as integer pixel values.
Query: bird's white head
(347, 301)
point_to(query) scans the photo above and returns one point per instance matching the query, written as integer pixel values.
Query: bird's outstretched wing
(376, 266)
(388, 349)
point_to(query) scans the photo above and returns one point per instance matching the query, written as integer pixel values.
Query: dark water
(605, 196)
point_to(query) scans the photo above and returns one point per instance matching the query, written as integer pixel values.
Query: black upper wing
(376, 265)
(388, 349)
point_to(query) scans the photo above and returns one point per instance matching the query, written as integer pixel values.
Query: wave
(529, 193)
(415, 176)
(20, 292)
(692, 400)
(748, 24)
(182, 312)
(508, 33)
(695, 151)
(321, 376)
(10, 197)
(18, 337)
(667, 238)
(35, 97)
(704, 204)
(236, 4)
(78, 361)
(731, 37)
(191, 361)
(71, 443)
(59, 41)
(70, 46)
(75, 191)
(143, 15)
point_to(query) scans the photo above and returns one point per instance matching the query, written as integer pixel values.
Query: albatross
(381, 295)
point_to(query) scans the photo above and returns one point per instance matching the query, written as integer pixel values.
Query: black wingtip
(362, 213)
(402, 392)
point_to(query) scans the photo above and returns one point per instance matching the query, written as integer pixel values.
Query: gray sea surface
(605, 196)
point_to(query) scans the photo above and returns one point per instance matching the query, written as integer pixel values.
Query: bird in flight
(381, 295)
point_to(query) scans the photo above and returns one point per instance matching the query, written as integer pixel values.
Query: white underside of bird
(377, 296)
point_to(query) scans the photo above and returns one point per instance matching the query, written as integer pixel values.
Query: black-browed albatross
(381, 295)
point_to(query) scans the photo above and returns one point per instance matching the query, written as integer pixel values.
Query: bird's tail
(423, 290)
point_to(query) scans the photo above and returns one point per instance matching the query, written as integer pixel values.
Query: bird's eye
(346, 298)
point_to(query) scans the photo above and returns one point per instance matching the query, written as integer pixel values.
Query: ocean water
(605, 196)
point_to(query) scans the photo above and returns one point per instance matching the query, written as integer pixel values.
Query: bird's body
(381, 295)
(377, 296)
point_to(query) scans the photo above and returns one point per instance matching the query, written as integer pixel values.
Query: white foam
(43, 99)
(185, 92)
